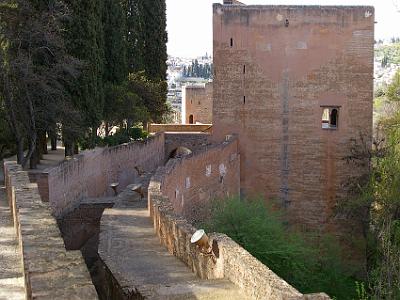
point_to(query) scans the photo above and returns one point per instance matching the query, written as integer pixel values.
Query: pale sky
(189, 22)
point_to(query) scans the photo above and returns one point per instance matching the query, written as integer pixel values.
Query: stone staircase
(141, 266)
(11, 276)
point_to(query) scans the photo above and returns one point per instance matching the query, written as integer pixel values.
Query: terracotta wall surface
(276, 68)
(154, 128)
(89, 174)
(194, 141)
(192, 182)
(50, 272)
(198, 103)
(174, 205)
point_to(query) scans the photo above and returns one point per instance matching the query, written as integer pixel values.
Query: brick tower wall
(276, 69)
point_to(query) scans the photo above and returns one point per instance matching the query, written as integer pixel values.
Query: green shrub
(305, 264)
(120, 137)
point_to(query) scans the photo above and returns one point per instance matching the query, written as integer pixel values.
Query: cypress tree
(147, 49)
(134, 35)
(147, 37)
(85, 40)
(114, 42)
(156, 38)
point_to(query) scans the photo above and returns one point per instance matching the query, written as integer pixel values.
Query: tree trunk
(145, 125)
(41, 144)
(31, 149)
(69, 148)
(129, 124)
(53, 137)
(106, 128)
(44, 143)
(76, 148)
(34, 159)
(20, 151)
(53, 141)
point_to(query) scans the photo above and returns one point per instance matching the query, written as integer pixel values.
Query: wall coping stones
(233, 261)
(50, 271)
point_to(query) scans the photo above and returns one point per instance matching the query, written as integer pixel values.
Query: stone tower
(296, 84)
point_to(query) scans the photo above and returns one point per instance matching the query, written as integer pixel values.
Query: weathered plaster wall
(192, 182)
(198, 103)
(170, 217)
(275, 69)
(89, 174)
(50, 271)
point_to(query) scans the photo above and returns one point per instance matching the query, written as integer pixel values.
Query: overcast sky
(189, 22)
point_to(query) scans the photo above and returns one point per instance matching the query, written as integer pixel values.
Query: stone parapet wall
(196, 142)
(154, 128)
(89, 174)
(254, 277)
(174, 230)
(193, 182)
(50, 272)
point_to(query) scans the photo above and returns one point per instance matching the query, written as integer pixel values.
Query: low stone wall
(89, 174)
(173, 200)
(154, 128)
(196, 142)
(50, 271)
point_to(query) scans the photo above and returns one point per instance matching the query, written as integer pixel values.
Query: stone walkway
(53, 158)
(139, 263)
(11, 277)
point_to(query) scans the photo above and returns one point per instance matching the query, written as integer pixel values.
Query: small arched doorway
(191, 119)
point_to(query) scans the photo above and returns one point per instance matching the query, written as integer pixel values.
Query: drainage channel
(80, 230)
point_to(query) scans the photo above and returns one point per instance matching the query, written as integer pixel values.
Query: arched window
(325, 118)
(334, 118)
(330, 117)
(231, 42)
(191, 119)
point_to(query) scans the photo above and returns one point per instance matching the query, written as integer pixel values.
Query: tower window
(333, 120)
(244, 69)
(244, 99)
(231, 42)
(330, 117)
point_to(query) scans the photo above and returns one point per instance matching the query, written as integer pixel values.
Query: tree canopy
(72, 67)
